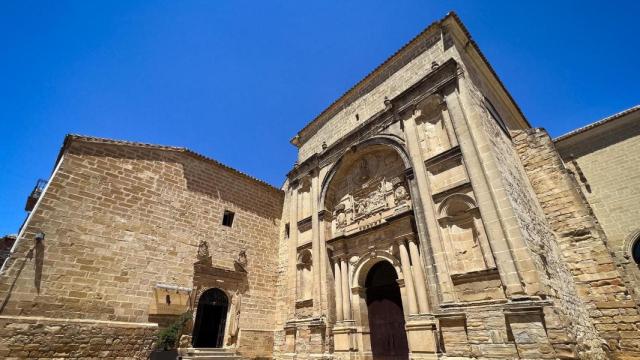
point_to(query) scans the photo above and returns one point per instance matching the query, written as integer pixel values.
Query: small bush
(168, 337)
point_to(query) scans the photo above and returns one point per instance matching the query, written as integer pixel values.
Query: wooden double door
(386, 317)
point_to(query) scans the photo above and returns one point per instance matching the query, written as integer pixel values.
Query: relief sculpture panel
(368, 187)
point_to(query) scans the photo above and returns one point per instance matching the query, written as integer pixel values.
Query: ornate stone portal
(401, 193)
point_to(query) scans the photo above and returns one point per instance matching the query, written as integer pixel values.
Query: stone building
(424, 218)
(603, 159)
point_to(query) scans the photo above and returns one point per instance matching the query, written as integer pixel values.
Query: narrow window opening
(286, 230)
(168, 299)
(227, 218)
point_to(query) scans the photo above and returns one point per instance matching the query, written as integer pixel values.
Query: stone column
(324, 266)
(408, 279)
(346, 298)
(315, 244)
(338, 285)
(418, 276)
(293, 245)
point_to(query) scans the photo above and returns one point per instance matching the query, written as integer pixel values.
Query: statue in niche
(203, 250)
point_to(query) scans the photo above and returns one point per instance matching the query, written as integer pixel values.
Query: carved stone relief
(369, 186)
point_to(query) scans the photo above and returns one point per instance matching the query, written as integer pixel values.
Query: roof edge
(371, 74)
(598, 123)
(70, 138)
(451, 14)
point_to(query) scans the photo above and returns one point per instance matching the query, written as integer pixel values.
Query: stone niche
(304, 283)
(368, 188)
(432, 132)
(304, 211)
(469, 257)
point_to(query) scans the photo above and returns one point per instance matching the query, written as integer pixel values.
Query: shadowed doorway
(386, 318)
(211, 317)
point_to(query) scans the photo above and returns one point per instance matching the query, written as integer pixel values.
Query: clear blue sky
(235, 80)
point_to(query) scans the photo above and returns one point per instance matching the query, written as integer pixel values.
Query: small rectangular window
(286, 230)
(227, 218)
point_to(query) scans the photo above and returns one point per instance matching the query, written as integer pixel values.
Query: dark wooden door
(386, 318)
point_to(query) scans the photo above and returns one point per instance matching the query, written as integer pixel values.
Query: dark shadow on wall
(27, 257)
(39, 260)
(202, 175)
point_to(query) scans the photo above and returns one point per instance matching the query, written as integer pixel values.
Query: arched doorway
(211, 317)
(386, 318)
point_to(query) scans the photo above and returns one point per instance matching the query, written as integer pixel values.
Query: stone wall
(367, 98)
(582, 246)
(604, 161)
(33, 337)
(119, 218)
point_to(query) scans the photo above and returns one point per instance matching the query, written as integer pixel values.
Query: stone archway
(211, 318)
(385, 313)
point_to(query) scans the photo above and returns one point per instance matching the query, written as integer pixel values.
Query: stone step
(209, 357)
(210, 354)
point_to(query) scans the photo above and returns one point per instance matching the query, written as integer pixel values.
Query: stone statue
(400, 194)
(241, 260)
(203, 250)
(234, 318)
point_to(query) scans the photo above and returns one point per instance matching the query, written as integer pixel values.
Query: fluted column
(418, 276)
(338, 286)
(346, 298)
(408, 278)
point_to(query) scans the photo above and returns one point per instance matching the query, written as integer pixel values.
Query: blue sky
(235, 80)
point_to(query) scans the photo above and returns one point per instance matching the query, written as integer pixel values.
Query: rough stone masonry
(424, 219)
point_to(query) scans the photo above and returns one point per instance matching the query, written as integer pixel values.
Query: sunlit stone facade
(423, 219)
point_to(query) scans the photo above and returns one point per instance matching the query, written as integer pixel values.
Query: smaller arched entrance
(211, 318)
(386, 317)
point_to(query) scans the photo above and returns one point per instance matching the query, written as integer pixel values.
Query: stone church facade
(424, 218)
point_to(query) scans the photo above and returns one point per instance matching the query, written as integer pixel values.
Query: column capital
(323, 214)
(358, 290)
(409, 173)
(400, 240)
